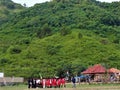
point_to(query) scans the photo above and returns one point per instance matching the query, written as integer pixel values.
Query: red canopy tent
(96, 69)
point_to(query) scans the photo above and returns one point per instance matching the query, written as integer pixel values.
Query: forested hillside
(7, 7)
(58, 36)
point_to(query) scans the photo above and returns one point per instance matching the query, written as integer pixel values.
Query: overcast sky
(32, 2)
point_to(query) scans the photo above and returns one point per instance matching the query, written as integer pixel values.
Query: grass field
(69, 87)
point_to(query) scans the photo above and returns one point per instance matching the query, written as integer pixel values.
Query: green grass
(69, 87)
(83, 34)
(19, 87)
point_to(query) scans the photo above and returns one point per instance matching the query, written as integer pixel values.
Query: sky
(30, 3)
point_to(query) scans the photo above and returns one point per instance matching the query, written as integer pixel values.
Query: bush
(15, 50)
(116, 41)
(52, 50)
(3, 61)
(80, 35)
(64, 31)
(45, 31)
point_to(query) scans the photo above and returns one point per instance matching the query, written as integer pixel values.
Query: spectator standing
(74, 82)
(29, 83)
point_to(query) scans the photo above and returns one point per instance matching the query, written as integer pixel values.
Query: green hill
(7, 7)
(58, 36)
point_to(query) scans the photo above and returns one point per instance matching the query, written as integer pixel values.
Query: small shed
(97, 72)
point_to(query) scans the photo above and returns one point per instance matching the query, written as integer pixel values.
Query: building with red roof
(96, 69)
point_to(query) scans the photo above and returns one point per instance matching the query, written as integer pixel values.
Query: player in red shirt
(48, 83)
(54, 82)
(63, 82)
(59, 82)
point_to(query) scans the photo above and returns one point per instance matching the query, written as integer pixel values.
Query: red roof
(89, 70)
(96, 69)
(113, 70)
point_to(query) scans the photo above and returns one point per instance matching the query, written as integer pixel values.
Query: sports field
(69, 87)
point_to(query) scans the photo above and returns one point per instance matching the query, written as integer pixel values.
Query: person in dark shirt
(34, 83)
(74, 82)
(29, 83)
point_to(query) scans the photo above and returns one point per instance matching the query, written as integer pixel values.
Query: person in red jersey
(59, 82)
(48, 83)
(54, 82)
(43, 82)
(63, 82)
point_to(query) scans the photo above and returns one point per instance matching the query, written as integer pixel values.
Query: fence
(11, 80)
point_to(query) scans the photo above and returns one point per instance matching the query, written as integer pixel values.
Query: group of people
(47, 83)
(32, 83)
